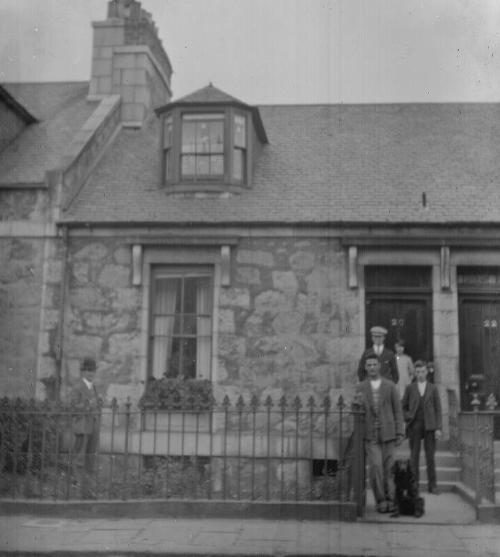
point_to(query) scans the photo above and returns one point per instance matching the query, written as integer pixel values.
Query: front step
(447, 469)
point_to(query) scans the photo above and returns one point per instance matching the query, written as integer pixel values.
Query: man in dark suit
(85, 402)
(379, 399)
(387, 359)
(422, 413)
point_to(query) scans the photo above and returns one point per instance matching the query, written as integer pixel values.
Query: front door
(399, 298)
(479, 321)
(480, 347)
(404, 318)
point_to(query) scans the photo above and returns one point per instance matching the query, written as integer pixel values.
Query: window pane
(238, 159)
(167, 134)
(173, 362)
(181, 325)
(168, 165)
(188, 165)
(188, 137)
(240, 138)
(167, 291)
(190, 290)
(216, 137)
(216, 165)
(202, 166)
(189, 325)
(189, 358)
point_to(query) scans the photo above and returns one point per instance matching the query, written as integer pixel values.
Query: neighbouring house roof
(61, 109)
(323, 163)
(16, 106)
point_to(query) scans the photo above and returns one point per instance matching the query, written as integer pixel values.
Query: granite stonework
(20, 303)
(26, 204)
(102, 318)
(286, 325)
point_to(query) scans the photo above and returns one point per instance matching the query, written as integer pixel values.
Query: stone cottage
(253, 246)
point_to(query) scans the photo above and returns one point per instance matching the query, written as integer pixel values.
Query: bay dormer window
(208, 141)
(202, 147)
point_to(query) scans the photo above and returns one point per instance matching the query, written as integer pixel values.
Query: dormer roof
(212, 96)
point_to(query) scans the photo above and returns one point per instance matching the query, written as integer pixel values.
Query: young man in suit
(422, 412)
(387, 359)
(85, 401)
(379, 398)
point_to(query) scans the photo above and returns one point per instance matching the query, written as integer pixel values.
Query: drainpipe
(62, 299)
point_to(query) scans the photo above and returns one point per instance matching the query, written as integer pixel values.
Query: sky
(280, 51)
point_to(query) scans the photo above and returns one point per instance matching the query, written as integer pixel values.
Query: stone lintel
(28, 229)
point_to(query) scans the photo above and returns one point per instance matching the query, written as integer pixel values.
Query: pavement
(447, 529)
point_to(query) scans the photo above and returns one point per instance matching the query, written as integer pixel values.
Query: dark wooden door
(480, 346)
(404, 317)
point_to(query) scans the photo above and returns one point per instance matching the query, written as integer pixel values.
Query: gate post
(477, 473)
(358, 462)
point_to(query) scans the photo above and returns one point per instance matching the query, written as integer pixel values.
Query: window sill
(204, 187)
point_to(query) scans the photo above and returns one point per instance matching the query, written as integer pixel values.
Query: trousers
(380, 456)
(417, 432)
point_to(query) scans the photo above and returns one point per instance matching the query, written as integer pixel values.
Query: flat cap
(377, 330)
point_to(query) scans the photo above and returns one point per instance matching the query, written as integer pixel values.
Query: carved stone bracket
(353, 267)
(136, 264)
(445, 268)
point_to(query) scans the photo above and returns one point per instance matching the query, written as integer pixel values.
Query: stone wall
(288, 324)
(25, 204)
(102, 317)
(21, 276)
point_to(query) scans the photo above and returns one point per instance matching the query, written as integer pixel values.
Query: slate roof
(61, 109)
(323, 163)
(16, 106)
(208, 94)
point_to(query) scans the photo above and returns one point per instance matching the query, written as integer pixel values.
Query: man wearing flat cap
(386, 357)
(85, 402)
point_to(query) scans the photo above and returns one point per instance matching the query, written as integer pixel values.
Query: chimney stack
(128, 59)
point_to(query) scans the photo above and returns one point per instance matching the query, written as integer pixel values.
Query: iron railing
(285, 450)
(476, 451)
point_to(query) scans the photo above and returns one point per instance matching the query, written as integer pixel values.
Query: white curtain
(165, 302)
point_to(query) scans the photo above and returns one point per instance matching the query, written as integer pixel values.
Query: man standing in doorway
(379, 399)
(386, 357)
(422, 412)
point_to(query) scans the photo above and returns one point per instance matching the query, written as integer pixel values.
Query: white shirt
(378, 349)
(88, 383)
(421, 387)
(375, 383)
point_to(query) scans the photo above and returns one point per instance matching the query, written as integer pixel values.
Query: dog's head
(401, 470)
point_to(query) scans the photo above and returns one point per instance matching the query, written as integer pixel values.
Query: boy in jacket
(422, 413)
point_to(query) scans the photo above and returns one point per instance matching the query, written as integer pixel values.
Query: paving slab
(31, 535)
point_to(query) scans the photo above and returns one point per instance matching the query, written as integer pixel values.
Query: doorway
(400, 299)
(479, 330)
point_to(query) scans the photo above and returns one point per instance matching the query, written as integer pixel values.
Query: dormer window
(208, 141)
(202, 151)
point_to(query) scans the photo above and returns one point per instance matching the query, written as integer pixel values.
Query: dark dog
(407, 500)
